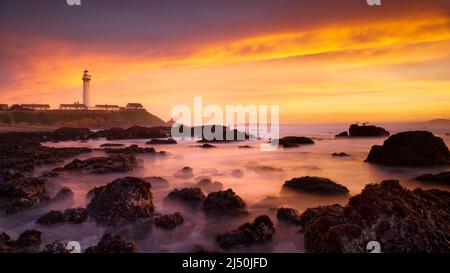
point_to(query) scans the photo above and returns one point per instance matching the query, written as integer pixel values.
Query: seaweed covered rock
(399, 219)
(127, 198)
(260, 231)
(413, 148)
(102, 165)
(443, 177)
(64, 194)
(314, 184)
(27, 242)
(56, 247)
(225, 203)
(21, 192)
(169, 221)
(288, 215)
(74, 216)
(209, 186)
(113, 244)
(130, 150)
(356, 130)
(186, 194)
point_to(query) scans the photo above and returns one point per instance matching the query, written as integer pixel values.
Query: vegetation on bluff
(91, 119)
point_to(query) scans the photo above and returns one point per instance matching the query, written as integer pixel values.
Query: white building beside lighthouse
(86, 89)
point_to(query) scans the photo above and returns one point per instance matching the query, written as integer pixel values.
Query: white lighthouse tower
(86, 88)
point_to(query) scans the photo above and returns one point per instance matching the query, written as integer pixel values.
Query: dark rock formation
(342, 154)
(220, 134)
(260, 231)
(102, 165)
(185, 173)
(443, 177)
(64, 194)
(208, 186)
(127, 198)
(157, 141)
(111, 145)
(400, 220)
(314, 184)
(413, 148)
(237, 173)
(367, 131)
(27, 242)
(21, 192)
(186, 194)
(225, 203)
(156, 181)
(130, 150)
(169, 221)
(135, 132)
(29, 238)
(207, 146)
(113, 244)
(69, 133)
(343, 134)
(74, 216)
(245, 147)
(294, 141)
(288, 215)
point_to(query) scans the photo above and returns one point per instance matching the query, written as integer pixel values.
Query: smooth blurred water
(264, 175)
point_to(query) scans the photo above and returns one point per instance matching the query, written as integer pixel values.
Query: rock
(74, 216)
(22, 192)
(135, 132)
(413, 148)
(187, 194)
(21, 154)
(314, 184)
(51, 218)
(367, 131)
(102, 165)
(113, 244)
(288, 215)
(207, 185)
(224, 134)
(343, 134)
(69, 133)
(48, 174)
(245, 147)
(130, 150)
(156, 181)
(294, 141)
(342, 154)
(207, 146)
(225, 203)
(64, 194)
(56, 247)
(400, 220)
(127, 198)
(29, 238)
(237, 173)
(443, 177)
(156, 141)
(185, 173)
(169, 221)
(260, 231)
(110, 145)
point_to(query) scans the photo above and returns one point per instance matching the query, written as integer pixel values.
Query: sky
(320, 61)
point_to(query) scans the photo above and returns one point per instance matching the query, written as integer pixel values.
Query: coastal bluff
(81, 118)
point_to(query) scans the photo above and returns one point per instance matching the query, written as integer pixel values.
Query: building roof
(134, 105)
(35, 105)
(78, 105)
(106, 106)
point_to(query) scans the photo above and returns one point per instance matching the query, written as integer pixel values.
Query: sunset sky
(320, 61)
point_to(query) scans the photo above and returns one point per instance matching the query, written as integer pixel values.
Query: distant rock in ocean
(413, 148)
(294, 141)
(364, 130)
(443, 177)
(399, 219)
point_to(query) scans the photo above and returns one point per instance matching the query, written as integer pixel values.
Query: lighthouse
(86, 88)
